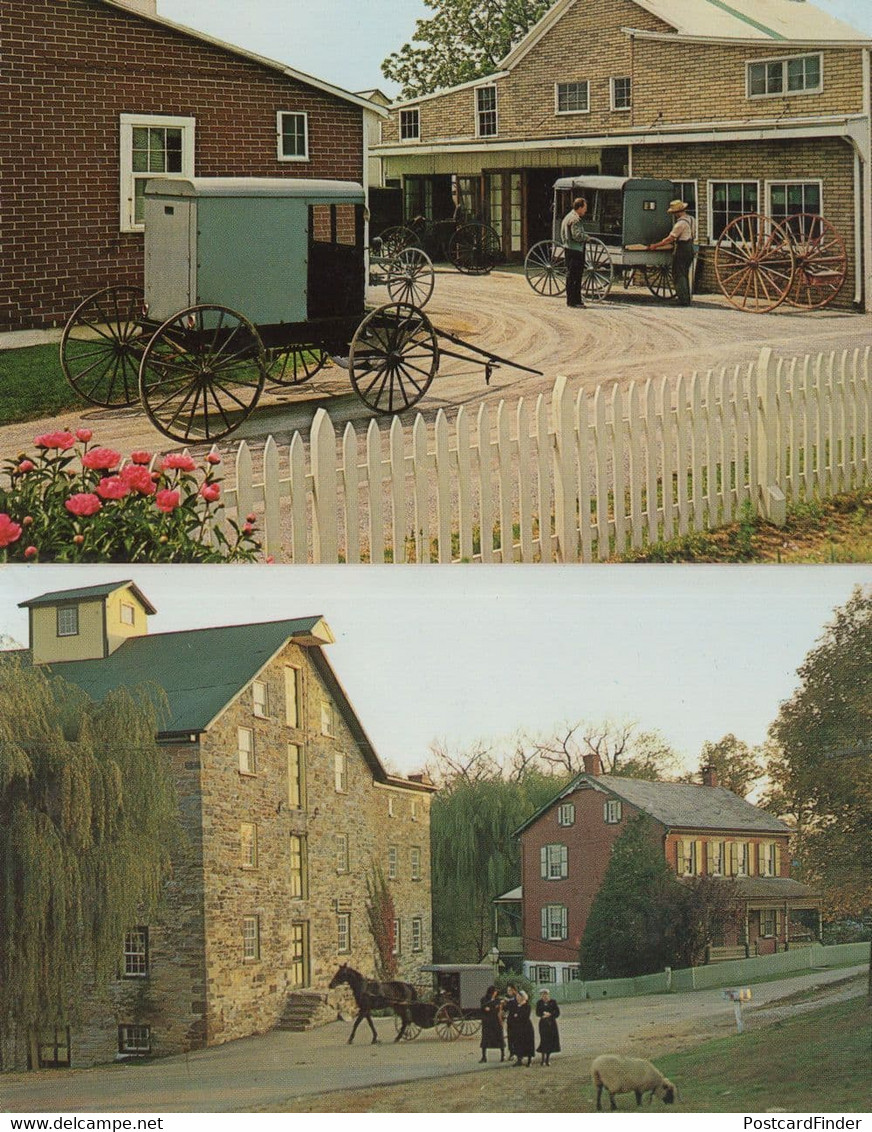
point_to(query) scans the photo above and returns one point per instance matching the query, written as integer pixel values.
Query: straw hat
(677, 206)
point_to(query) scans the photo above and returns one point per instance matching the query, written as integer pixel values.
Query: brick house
(755, 106)
(702, 829)
(98, 94)
(285, 809)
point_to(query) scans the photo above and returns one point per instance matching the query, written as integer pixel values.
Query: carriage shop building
(285, 811)
(751, 106)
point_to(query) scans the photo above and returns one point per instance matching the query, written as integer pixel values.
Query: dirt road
(274, 1072)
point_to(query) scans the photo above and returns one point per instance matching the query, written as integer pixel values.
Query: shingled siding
(71, 68)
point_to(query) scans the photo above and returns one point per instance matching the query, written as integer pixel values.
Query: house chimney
(709, 775)
(592, 764)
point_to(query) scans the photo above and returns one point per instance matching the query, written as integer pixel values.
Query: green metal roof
(201, 670)
(85, 593)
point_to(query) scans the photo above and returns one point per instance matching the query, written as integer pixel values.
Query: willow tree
(87, 819)
(475, 856)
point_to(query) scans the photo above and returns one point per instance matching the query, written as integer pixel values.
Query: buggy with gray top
(248, 281)
(624, 216)
(452, 1006)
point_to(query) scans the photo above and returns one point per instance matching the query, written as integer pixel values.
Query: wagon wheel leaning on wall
(393, 357)
(202, 373)
(475, 248)
(821, 260)
(102, 345)
(545, 269)
(599, 272)
(755, 263)
(394, 240)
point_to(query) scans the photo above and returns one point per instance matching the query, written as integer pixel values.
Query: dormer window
(486, 111)
(68, 620)
(128, 614)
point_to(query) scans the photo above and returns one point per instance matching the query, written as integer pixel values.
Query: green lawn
(32, 385)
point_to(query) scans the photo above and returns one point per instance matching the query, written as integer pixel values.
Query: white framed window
(393, 862)
(68, 621)
(566, 813)
(789, 74)
(128, 613)
(572, 98)
(555, 921)
(554, 861)
(413, 809)
(397, 948)
(415, 862)
(687, 191)
(328, 719)
(260, 699)
(612, 811)
(298, 882)
(134, 1039)
(292, 135)
(410, 124)
(296, 777)
(486, 122)
(729, 200)
(250, 938)
(340, 772)
(571, 974)
(342, 852)
(417, 933)
(740, 859)
(542, 973)
(770, 922)
(768, 859)
(151, 145)
(390, 805)
(292, 696)
(248, 844)
(136, 953)
(622, 92)
(245, 748)
(689, 854)
(716, 858)
(343, 932)
(790, 198)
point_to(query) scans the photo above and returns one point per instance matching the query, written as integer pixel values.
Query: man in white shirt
(680, 239)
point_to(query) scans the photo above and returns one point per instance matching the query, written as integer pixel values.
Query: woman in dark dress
(525, 1039)
(492, 1024)
(548, 1012)
(510, 1013)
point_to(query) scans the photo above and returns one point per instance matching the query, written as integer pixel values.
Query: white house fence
(582, 477)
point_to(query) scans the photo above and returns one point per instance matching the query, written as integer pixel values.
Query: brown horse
(369, 995)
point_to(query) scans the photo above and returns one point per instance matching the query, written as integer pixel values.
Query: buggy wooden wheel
(394, 240)
(410, 277)
(469, 1026)
(393, 358)
(821, 261)
(449, 1022)
(102, 345)
(754, 263)
(545, 269)
(475, 249)
(292, 365)
(658, 280)
(596, 280)
(202, 373)
(412, 1030)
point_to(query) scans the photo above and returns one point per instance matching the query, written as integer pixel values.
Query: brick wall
(71, 68)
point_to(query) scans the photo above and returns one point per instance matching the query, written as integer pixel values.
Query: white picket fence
(582, 477)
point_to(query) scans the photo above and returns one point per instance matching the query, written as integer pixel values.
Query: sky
(461, 654)
(344, 41)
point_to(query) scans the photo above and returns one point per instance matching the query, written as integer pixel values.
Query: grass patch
(823, 531)
(32, 385)
(818, 1061)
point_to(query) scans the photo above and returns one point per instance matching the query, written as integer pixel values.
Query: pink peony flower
(30, 552)
(9, 531)
(84, 434)
(210, 491)
(213, 458)
(83, 503)
(252, 518)
(102, 459)
(137, 478)
(247, 529)
(60, 440)
(167, 500)
(178, 460)
(112, 487)
(26, 466)
(78, 539)
(140, 457)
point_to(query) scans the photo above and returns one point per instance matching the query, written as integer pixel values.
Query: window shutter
(777, 859)
(564, 922)
(699, 865)
(761, 857)
(734, 858)
(751, 856)
(778, 924)
(679, 856)
(545, 923)
(543, 853)
(564, 861)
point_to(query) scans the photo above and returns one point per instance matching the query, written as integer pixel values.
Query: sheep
(618, 1074)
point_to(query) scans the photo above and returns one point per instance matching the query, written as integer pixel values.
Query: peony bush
(74, 502)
